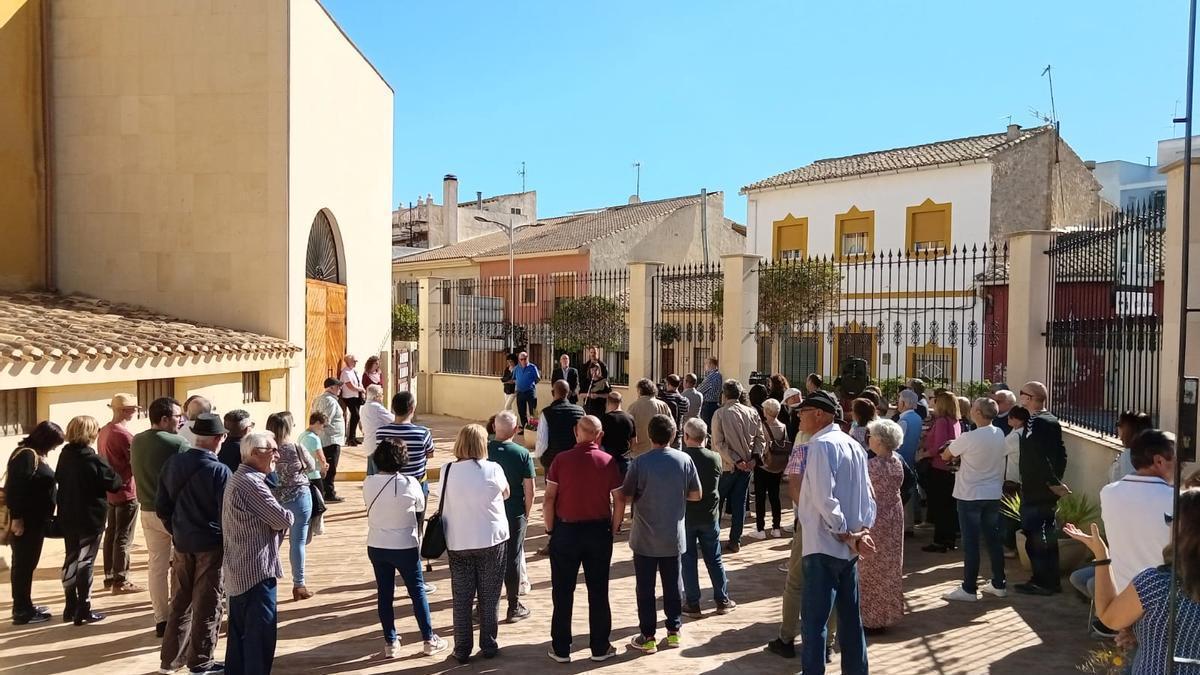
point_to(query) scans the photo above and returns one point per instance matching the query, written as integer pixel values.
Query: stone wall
(1031, 192)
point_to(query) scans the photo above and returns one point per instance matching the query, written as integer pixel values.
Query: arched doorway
(325, 304)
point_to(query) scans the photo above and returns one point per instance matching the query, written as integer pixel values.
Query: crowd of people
(221, 497)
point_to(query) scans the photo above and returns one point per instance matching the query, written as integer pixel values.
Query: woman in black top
(595, 390)
(509, 381)
(29, 492)
(83, 479)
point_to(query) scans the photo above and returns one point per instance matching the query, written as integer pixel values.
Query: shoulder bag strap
(445, 492)
(377, 494)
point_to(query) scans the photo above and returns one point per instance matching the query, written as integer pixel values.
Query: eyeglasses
(269, 450)
(1025, 393)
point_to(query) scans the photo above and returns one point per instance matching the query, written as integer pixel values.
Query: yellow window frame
(846, 223)
(927, 206)
(786, 223)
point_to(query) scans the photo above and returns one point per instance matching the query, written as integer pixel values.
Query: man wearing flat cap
(834, 507)
(189, 499)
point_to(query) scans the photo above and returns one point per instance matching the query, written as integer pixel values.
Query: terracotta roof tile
(37, 325)
(564, 233)
(942, 152)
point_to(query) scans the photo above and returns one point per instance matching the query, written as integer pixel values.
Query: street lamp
(512, 280)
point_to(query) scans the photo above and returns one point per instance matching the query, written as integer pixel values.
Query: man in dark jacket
(556, 429)
(237, 424)
(564, 371)
(189, 499)
(1042, 461)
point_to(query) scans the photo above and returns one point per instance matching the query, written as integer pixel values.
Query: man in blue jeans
(526, 376)
(1042, 461)
(702, 526)
(978, 488)
(737, 436)
(660, 483)
(835, 511)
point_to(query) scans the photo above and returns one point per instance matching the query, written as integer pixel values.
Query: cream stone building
(198, 200)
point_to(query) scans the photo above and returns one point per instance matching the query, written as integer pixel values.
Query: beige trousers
(158, 542)
(793, 588)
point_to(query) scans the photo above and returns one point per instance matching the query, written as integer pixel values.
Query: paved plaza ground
(337, 632)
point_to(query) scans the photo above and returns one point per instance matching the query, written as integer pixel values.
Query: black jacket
(510, 384)
(84, 478)
(29, 489)
(230, 453)
(189, 499)
(561, 417)
(572, 378)
(1043, 459)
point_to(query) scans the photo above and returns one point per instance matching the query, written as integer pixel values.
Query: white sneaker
(430, 589)
(391, 649)
(790, 527)
(776, 533)
(783, 568)
(958, 594)
(757, 534)
(992, 590)
(524, 588)
(435, 645)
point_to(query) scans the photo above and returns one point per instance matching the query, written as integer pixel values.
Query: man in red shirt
(581, 486)
(114, 442)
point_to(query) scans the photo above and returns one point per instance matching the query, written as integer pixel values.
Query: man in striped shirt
(417, 442)
(252, 527)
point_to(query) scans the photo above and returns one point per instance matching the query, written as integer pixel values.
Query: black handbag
(318, 501)
(433, 542)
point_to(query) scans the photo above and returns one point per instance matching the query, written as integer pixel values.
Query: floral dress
(881, 589)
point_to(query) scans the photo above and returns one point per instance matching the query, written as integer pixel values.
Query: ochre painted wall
(22, 150)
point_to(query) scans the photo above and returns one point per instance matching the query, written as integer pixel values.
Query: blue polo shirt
(910, 422)
(526, 377)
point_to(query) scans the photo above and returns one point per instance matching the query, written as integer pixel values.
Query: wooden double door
(324, 336)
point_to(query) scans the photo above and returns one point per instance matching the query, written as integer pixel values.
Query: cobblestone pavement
(337, 632)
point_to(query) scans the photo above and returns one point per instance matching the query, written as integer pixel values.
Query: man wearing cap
(148, 454)
(835, 509)
(737, 436)
(333, 434)
(189, 499)
(114, 442)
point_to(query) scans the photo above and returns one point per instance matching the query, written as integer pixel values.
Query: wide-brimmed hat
(120, 401)
(208, 424)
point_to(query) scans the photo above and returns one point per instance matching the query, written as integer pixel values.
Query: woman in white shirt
(393, 501)
(473, 491)
(374, 415)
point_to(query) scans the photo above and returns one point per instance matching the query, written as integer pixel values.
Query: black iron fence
(481, 319)
(686, 324)
(938, 315)
(1104, 329)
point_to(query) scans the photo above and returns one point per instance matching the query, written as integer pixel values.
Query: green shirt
(517, 464)
(150, 451)
(312, 443)
(708, 465)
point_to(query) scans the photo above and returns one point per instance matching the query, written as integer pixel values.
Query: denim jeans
(1084, 581)
(978, 517)
(734, 487)
(526, 405)
(830, 582)
(706, 538)
(253, 628)
(1041, 543)
(301, 508)
(572, 545)
(407, 561)
(645, 568)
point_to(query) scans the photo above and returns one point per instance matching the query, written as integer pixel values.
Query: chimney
(449, 209)
(1090, 165)
(479, 200)
(1014, 132)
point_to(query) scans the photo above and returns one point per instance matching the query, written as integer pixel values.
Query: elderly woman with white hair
(373, 415)
(882, 591)
(769, 472)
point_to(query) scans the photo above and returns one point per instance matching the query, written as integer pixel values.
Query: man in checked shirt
(252, 523)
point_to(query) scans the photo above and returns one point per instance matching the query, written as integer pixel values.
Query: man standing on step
(333, 435)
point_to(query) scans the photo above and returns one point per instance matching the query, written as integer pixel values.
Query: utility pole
(522, 174)
(637, 181)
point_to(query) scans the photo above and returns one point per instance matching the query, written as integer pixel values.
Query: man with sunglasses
(526, 376)
(1043, 459)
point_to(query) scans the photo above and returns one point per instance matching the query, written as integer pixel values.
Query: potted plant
(1074, 508)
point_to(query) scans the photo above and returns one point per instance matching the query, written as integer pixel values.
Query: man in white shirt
(1136, 509)
(978, 488)
(353, 395)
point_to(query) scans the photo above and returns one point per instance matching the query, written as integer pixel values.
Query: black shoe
(160, 629)
(785, 649)
(490, 653)
(41, 609)
(517, 613)
(1030, 588)
(731, 547)
(335, 499)
(692, 611)
(88, 617)
(463, 659)
(874, 631)
(1100, 629)
(214, 668)
(935, 548)
(108, 584)
(32, 617)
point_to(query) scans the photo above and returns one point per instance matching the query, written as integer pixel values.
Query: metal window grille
(686, 318)
(149, 390)
(250, 390)
(1104, 330)
(18, 411)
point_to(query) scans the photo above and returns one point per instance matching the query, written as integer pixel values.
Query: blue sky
(719, 94)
